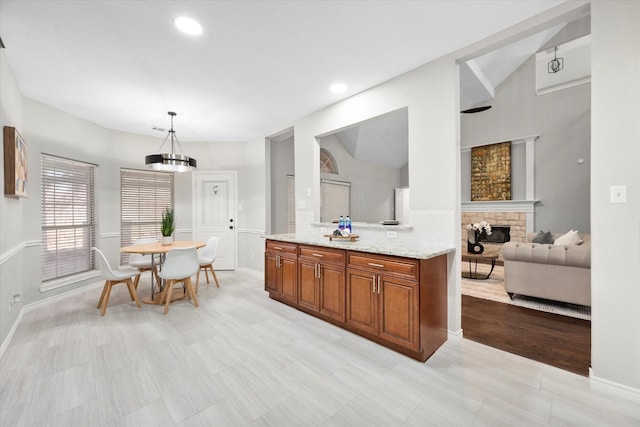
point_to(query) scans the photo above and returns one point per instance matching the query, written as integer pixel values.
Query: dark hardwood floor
(560, 341)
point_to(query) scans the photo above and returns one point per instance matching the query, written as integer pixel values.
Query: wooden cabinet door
(332, 286)
(361, 301)
(270, 273)
(399, 312)
(308, 289)
(289, 278)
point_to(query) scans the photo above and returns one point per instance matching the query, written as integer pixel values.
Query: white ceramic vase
(167, 240)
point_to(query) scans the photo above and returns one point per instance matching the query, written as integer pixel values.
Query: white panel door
(214, 195)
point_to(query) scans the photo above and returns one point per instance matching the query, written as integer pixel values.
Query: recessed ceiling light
(338, 88)
(188, 26)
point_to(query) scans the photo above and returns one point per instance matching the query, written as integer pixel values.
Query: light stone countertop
(416, 250)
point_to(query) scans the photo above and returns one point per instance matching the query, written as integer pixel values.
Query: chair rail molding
(6, 256)
(251, 231)
(109, 235)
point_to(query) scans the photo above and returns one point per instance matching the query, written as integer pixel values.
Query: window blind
(334, 199)
(68, 217)
(144, 196)
(291, 204)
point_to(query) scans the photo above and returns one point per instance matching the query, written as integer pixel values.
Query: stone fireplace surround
(516, 220)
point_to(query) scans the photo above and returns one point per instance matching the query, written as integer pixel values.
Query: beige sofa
(554, 272)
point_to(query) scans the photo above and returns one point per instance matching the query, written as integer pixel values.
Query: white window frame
(291, 204)
(144, 196)
(68, 218)
(335, 199)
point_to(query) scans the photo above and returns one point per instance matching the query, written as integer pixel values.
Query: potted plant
(168, 226)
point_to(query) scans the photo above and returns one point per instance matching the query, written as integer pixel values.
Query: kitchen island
(395, 295)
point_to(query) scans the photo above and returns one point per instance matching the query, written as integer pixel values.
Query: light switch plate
(618, 194)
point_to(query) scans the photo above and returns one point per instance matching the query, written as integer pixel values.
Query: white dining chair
(178, 267)
(143, 262)
(113, 277)
(206, 257)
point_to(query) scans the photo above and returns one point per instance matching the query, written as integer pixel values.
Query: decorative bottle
(341, 223)
(347, 223)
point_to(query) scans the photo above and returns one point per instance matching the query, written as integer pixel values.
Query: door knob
(230, 219)
(231, 227)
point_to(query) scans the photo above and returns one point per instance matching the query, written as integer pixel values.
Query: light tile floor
(243, 359)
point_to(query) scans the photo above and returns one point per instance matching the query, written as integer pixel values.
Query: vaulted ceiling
(257, 67)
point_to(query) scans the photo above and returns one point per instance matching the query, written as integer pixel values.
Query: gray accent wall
(282, 164)
(562, 119)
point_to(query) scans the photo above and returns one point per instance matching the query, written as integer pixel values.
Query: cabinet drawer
(322, 255)
(282, 248)
(405, 267)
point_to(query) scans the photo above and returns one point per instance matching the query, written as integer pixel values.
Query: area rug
(493, 289)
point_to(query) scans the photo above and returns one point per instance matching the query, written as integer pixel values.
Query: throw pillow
(569, 238)
(542, 237)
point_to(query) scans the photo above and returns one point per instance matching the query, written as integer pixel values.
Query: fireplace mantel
(500, 206)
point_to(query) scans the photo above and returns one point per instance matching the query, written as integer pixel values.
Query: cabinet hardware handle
(319, 270)
(373, 264)
(378, 285)
(373, 288)
(277, 261)
(277, 248)
(318, 255)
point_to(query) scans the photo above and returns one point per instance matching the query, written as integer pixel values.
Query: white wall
(252, 205)
(282, 164)
(428, 92)
(615, 228)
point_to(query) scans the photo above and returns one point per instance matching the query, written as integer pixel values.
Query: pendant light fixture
(170, 162)
(556, 64)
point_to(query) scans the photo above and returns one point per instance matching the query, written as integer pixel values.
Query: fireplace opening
(499, 234)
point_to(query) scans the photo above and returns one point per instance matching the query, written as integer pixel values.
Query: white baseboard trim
(12, 331)
(455, 334)
(28, 307)
(618, 389)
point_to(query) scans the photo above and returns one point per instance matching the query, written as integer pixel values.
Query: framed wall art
(491, 172)
(15, 163)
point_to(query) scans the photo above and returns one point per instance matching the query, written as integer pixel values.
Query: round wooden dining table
(158, 248)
